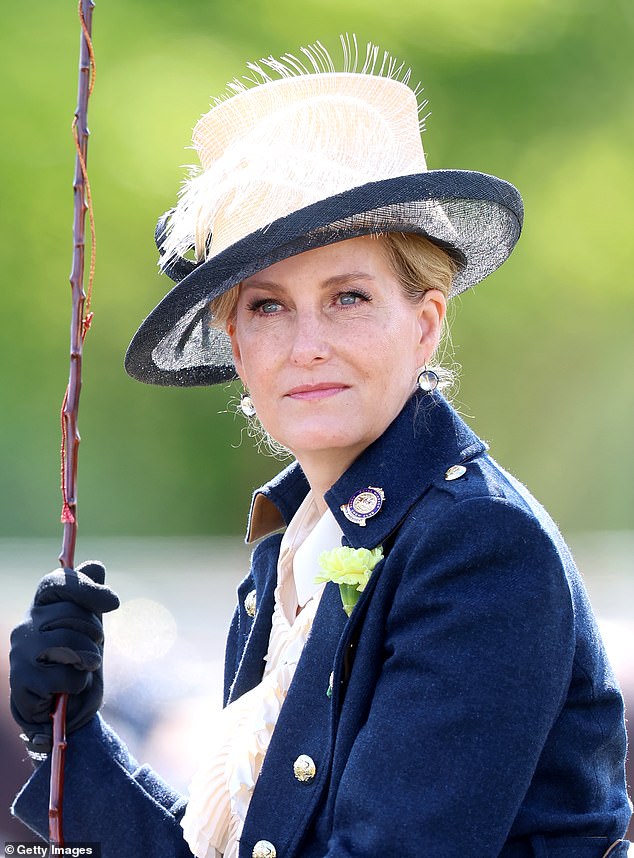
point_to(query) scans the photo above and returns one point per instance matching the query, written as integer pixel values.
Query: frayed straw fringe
(321, 62)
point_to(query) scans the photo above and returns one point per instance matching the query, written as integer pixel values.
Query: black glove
(58, 649)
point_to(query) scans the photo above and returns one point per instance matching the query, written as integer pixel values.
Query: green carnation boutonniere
(350, 568)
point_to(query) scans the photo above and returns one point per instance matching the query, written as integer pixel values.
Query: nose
(310, 342)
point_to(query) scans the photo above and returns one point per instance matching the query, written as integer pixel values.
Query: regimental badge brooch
(363, 504)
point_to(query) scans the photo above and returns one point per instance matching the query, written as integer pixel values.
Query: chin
(314, 441)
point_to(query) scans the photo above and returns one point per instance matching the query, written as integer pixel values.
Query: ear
(235, 351)
(431, 314)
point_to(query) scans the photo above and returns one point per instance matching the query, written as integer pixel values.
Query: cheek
(260, 375)
(395, 350)
(249, 356)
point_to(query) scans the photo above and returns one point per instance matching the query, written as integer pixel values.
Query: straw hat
(300, 158)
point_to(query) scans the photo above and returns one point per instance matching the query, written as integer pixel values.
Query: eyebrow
(328, 283)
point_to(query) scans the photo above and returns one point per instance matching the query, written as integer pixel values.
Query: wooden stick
(58, 756)
(80, 322)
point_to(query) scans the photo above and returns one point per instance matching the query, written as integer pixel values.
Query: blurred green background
(536, 91)
(540, 92)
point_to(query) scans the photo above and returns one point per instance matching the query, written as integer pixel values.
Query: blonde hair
(417, 262)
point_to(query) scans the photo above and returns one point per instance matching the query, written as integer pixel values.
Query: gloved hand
(58, 648)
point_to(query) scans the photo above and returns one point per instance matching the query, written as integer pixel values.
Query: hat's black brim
(480, 247)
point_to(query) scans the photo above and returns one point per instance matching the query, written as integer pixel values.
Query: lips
(323, 390)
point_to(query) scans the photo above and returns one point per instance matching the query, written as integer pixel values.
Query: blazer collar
(418, 447)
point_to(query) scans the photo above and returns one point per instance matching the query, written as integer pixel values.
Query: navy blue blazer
(473, 711)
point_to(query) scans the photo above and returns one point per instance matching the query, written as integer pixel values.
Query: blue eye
(269, 307)
(350, 298)
(266, 306)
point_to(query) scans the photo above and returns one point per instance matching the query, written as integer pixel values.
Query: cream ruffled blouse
(221, 789)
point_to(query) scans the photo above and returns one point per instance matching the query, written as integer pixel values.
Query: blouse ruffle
(221, 789)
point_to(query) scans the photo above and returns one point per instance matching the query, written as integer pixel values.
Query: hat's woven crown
(278, 147)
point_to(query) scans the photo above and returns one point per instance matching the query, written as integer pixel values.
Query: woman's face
(328, 346)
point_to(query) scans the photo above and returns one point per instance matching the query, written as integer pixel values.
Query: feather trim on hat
(281, 138)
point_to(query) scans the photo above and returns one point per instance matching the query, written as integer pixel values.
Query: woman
(452, 697)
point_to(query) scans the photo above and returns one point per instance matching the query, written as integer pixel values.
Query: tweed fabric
(474, 713)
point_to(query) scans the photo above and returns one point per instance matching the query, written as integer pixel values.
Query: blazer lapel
(303, 727)
(264, 578)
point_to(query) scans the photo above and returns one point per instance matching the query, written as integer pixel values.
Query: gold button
(455, 472)
(264, 849)
(304, 768)
(250, 603)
